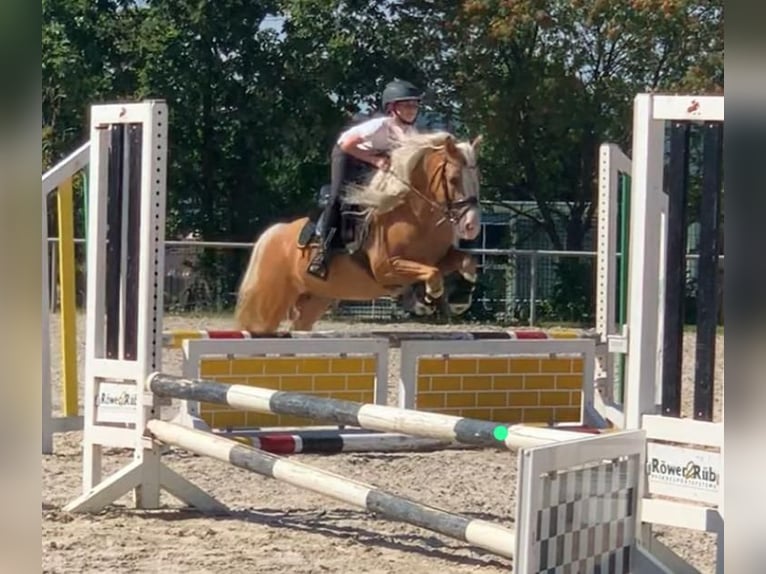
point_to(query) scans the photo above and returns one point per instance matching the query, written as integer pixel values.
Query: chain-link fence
(515, 286)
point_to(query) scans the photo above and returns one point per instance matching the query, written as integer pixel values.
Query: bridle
(454, 210)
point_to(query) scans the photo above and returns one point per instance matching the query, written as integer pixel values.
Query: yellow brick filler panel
(528, 389)
(350, 378)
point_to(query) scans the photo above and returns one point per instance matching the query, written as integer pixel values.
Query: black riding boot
(328, 221)
(326, 229)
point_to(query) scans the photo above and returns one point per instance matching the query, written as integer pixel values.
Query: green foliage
(547, 82)
(572, 299)
(258, 90)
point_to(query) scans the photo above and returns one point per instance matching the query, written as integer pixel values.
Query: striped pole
(349, 413)
(334, 441)
(480, 533)
(174, 338)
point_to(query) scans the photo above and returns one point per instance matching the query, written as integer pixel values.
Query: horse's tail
(247, 313)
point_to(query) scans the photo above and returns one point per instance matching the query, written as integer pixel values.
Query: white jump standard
(366, 416)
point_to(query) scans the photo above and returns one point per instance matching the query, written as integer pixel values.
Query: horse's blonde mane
(386, 190)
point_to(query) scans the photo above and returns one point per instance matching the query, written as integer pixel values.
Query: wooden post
(69, 384)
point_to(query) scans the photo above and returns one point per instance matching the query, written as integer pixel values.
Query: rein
(453, 211)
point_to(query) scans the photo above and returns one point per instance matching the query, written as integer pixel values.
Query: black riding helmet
(399, 90)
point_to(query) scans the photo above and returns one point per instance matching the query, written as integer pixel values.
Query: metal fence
(523, 286)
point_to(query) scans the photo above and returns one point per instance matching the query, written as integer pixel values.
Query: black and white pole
(349, 413)
(480, 533)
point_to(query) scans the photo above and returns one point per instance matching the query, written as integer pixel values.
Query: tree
(547, 82)
(258, 90)
(86, 49)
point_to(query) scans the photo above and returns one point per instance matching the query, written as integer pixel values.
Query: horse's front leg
(460, 261)
(461, 288)
(399, 271)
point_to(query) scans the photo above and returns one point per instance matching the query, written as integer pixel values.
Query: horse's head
(455, 185)
(435, 168)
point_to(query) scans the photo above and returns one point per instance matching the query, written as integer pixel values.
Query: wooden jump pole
(173, 338)
(349, 413)
(480, 533)
(334, 441)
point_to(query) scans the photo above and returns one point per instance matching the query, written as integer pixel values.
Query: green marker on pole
(500, 433)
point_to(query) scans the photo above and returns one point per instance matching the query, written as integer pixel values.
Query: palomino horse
(413, 213)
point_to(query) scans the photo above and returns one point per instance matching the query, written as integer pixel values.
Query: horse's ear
(450, 146)
(476, 141)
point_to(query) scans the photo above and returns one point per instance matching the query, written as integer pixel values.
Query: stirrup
(318, 266)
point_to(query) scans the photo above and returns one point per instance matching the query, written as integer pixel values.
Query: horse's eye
(454, 181)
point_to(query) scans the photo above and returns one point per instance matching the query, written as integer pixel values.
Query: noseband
(454, 209)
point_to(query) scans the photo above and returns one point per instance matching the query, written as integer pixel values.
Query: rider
(368, 142)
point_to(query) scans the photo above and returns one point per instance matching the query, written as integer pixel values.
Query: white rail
(66, 168)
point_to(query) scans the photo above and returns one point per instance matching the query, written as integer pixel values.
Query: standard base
(133, 477)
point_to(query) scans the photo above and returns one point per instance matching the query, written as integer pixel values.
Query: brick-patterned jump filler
(504, 381)
(518, 381)
(348, 369)
(350, 378)
(530, 389)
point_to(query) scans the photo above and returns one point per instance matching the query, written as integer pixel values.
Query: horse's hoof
(468, 276)
(433, 296)
(459, 308)
(422, 309)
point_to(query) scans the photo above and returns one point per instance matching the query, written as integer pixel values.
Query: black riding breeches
(345, 168)
(338, 165)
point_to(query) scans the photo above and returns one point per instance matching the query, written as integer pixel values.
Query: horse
(409, 220)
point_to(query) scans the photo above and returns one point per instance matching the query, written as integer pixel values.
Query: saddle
(352, 227)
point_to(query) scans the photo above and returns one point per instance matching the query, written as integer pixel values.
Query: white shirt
(378, 134)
